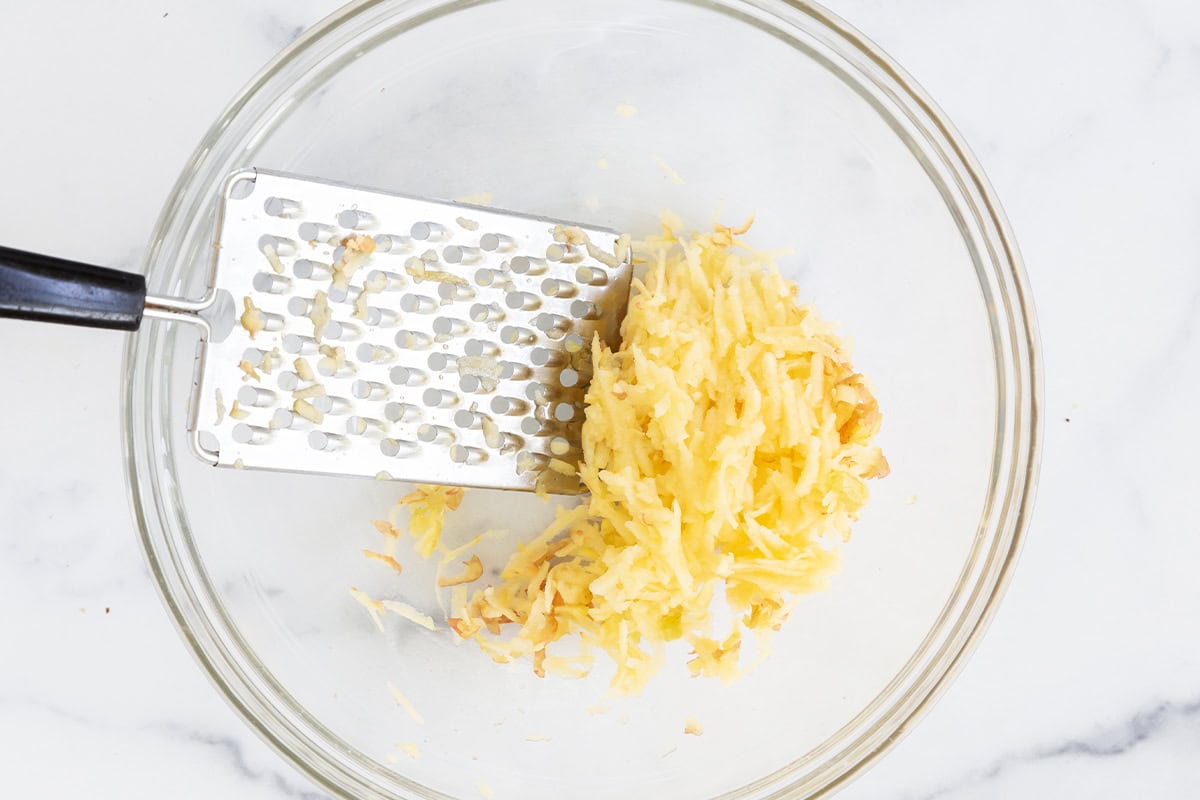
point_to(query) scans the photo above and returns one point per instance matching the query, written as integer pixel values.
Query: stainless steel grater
(349, 331)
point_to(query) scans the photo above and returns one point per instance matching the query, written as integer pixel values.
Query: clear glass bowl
(764, 106)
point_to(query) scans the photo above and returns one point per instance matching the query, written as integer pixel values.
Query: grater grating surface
(465, 362)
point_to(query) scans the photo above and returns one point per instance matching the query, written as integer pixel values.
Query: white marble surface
(1087, 121)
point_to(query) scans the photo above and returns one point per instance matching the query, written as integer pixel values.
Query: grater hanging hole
(241, 189)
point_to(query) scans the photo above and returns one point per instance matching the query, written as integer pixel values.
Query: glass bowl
(754, 106)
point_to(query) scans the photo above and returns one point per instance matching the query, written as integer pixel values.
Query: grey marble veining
(1165, 724)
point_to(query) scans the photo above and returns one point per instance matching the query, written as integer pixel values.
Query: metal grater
(465, 364)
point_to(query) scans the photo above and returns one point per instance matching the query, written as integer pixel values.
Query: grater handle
(48, 289)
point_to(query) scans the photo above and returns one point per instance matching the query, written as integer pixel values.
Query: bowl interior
(737, 113)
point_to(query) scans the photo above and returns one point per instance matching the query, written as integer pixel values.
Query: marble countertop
(1087, 124)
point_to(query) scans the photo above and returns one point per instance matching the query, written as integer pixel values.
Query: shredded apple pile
(726, 447)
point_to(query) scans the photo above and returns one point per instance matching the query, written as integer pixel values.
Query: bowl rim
(1005, 518)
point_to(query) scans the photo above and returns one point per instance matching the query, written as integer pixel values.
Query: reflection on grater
(389, 336)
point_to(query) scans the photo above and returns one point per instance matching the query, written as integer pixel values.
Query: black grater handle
(49, 289)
